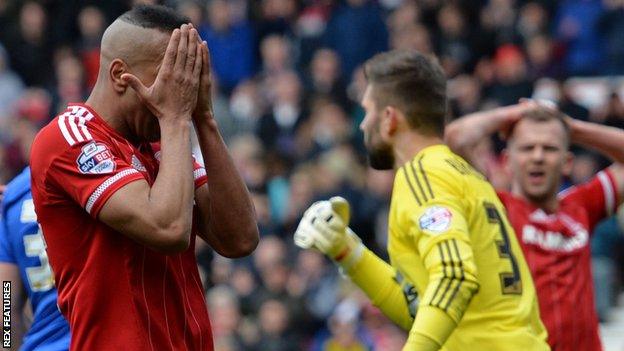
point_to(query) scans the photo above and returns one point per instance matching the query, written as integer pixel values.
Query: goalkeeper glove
(324, 227)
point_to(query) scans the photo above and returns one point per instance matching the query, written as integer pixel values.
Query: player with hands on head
(121, 200)
(553, 227)
(457, 278)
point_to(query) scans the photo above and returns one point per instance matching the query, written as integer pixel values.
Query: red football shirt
(556, 247)
(115, 293)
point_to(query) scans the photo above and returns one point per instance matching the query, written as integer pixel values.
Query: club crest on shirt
(436, 219)
(95, 158)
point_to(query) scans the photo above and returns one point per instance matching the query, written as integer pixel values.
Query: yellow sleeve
(440, 232)
(386, 288)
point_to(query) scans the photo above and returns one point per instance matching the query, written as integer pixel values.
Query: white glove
(324, 227)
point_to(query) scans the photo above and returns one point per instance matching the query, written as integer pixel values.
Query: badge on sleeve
(95, 158)
(436, 219)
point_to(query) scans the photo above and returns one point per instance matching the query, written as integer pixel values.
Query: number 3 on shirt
(511, 282)
(40, 278)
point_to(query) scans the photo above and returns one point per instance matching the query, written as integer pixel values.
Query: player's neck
(549, 204)
(109, 113)
(409, 144)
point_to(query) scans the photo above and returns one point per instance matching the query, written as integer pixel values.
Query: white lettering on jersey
(555, 241)
(28, 214)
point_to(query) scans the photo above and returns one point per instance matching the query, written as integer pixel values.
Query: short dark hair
(413, 83)
(154, 16)
(543, 114)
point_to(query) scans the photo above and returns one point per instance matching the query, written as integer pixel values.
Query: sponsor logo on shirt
(555, 241)
(436, 219)
(95, 158)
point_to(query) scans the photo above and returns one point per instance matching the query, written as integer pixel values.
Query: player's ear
(389, 122)
(568, 164)
(505, 161)
(116, 68)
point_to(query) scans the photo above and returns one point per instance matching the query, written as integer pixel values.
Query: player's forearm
(607, 140)
(466, 132)
(227, 212)
(452, 285)
(171, 195)
(378, 281)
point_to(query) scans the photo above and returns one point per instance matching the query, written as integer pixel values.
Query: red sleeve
(90, 172)
(199, 172)
(598, 196)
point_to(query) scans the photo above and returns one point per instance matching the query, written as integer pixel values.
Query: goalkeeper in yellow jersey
(457, 279)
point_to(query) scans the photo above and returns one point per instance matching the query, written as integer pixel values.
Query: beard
(380, 157)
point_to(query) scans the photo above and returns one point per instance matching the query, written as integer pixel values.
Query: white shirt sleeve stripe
(64, 131)
(609, 194)
(74, 128)
(83, 128)
(198, 173)
(105, 185)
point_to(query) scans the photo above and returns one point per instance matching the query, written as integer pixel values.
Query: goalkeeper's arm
(324, 228)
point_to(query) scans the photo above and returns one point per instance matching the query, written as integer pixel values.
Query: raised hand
(203, 110)
(173, 95)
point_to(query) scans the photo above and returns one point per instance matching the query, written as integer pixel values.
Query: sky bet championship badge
(436, 219)
(95, 159)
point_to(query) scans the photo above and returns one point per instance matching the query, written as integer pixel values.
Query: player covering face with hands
(121, 201)
(457, 278)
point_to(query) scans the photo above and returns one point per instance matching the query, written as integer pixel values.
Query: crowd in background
(288, 79)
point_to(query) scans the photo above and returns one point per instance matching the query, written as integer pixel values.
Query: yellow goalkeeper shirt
(449, 236)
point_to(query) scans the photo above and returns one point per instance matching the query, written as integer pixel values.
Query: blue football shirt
(22, 244)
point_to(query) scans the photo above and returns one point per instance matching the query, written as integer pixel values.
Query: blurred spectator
(612, 27)
(28, 46)
(194, 10)
(511, 76)
(91, 23)
(613, 113)
(532, 20)
(231, 45)
(11, 87)
(274, 322)
(324, 78)
(275, 17)
(356, 31)
(577, 27)
(465, 95)
(345, 333)
(223, 302)
(453, 40)
(310, 27)
(70, 80)
(276, 54)
(541, 57)
(277, 128)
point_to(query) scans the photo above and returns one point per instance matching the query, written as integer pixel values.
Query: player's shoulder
(17, 188)
(73, 127)
(429, 173)
(601, 183)
(70, 127)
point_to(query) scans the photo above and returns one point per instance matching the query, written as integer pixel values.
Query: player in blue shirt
(23, 260)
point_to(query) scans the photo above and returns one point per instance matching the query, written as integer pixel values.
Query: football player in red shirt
(121, 201)
(553, 228)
